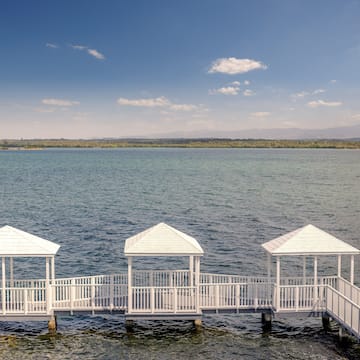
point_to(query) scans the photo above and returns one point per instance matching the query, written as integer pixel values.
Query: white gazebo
(159, 241)
(15, 243)
(308, 241)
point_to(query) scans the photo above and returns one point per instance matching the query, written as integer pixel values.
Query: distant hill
(348, 132)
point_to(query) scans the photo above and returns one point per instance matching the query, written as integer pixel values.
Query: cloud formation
(234, 66)
(260, 114)
(225, 90)
(159, 102)
(248, 92)
(59, 102)
(317, 103)
(51, 45)
(93, 52)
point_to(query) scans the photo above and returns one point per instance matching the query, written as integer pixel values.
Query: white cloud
(96, 54)
(317, 103)
(159, 102)
(247, 82)
(79, 47)
(248, 92)
(51, 45)
(226, 90)
(260, 114)
(235, 83)
(318, 91)
(93, 52)
(233, 66)
(300, 94)
(183, 107)
(333, 81)
(355, 116)
(44, 110)
(59, 102)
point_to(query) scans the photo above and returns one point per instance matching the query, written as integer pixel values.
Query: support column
(266, 320)
(315, 279)
(197, 324)
(304, 270)
(3, 285)
(53, 270)
(47, 286)
(352, 269)
(11, 272)
(326, 322)
(191, 270)
(129, 284)
(278, 283)
(52, 325)
(268, 295)
(197, 282)
(339, 266)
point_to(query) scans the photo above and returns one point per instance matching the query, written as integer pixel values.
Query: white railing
(343, 309)
(299, 298)
(75, 296)
(23, 301)
(234, 296)
(163, 300)
(161, 278)
(349, 290)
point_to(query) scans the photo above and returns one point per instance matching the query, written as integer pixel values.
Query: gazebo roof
(162, 240)
(14, 242)
(308, 240)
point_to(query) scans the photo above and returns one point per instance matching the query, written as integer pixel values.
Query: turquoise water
(231, 200)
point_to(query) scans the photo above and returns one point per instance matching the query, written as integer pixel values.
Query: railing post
(217, 296)
(152, 300)
(25, 301)
(175, 296)
(92, 293)
(111, 302)
(297, 298)
(237, 296)
(72, 296)
(3, 289)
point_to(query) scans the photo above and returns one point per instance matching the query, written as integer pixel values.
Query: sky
(131, 68)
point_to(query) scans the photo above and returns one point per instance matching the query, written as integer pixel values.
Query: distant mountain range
(346, 132)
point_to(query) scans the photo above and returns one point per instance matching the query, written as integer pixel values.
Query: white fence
(174, 292)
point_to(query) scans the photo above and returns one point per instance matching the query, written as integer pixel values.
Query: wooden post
(197, 282)
(47, 286)
(339, 266)
(191, 270)
(53, 270)
(304, 270)
(352, 269)
(277, 283)
(129, 284)
(3, 280)
(315, 279)
(52, 324)
(268, 288)
(11, 272)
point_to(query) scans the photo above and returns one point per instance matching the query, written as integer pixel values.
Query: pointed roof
(162, 240)
(14, 242)
(308, 240)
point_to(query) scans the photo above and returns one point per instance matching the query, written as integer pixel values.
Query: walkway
(170, 296)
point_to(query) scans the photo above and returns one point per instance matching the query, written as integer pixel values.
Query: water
(231, 200)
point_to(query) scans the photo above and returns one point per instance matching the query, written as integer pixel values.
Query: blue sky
(141, 68)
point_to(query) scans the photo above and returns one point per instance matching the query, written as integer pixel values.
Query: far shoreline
(40, 144)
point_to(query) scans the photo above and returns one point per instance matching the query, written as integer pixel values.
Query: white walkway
(170, 296)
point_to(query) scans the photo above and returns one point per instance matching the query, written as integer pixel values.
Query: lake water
(230, 200)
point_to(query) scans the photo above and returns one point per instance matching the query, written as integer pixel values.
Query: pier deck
(171, 297)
